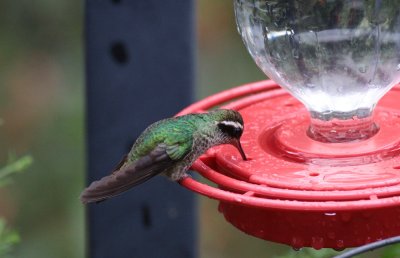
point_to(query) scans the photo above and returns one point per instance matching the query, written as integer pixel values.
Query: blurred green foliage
(9, 237)
(42, 107)
(14, 165)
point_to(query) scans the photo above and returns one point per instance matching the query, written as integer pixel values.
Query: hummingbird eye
(232, 129)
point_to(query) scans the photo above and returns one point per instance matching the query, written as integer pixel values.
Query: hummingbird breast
(200, 145)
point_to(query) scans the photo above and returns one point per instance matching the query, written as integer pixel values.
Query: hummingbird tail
(127, 176)
(112, 185)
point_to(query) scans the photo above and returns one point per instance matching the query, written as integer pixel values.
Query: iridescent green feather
(176, 133)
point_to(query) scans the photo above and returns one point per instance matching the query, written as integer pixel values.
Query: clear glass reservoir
(338, 57)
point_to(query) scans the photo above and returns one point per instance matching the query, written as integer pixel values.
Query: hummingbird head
(230, 125)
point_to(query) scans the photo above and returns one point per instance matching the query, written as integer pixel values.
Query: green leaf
(15, 166)
(8, 239)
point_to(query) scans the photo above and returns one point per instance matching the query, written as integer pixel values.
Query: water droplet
(385, 78)
(371, 84)
(297, 243)
(363, 69)
(330, 214)
(340, 89)
(339, 245)
(373, 197)
(398, 67)
(249, 193)
(239, 29)
(317, 242)
(295, 53)
(238, 199)
(276, 56)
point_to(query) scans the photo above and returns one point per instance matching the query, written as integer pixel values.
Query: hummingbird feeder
(324, 163)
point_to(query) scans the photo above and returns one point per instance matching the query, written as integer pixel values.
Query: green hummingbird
(169, 147)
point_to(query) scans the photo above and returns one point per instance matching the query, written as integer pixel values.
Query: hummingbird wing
(125, 177)
(174, 147)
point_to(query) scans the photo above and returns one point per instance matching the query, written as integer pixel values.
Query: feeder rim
(223, 100)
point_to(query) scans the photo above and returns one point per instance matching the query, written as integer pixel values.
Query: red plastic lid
(329, 194)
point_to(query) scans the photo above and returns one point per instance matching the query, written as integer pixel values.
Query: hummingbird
(169, 147)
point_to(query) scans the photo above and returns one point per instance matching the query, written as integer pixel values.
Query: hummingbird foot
(176, 176)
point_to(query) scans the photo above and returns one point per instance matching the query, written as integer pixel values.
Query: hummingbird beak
(238, 146)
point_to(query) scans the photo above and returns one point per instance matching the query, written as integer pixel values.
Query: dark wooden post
(139, 69)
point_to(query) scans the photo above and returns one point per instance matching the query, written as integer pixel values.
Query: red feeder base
(298, 191)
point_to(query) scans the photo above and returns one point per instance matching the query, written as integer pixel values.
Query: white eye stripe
(232, 123)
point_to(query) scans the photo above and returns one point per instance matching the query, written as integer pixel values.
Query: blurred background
(42, 115)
